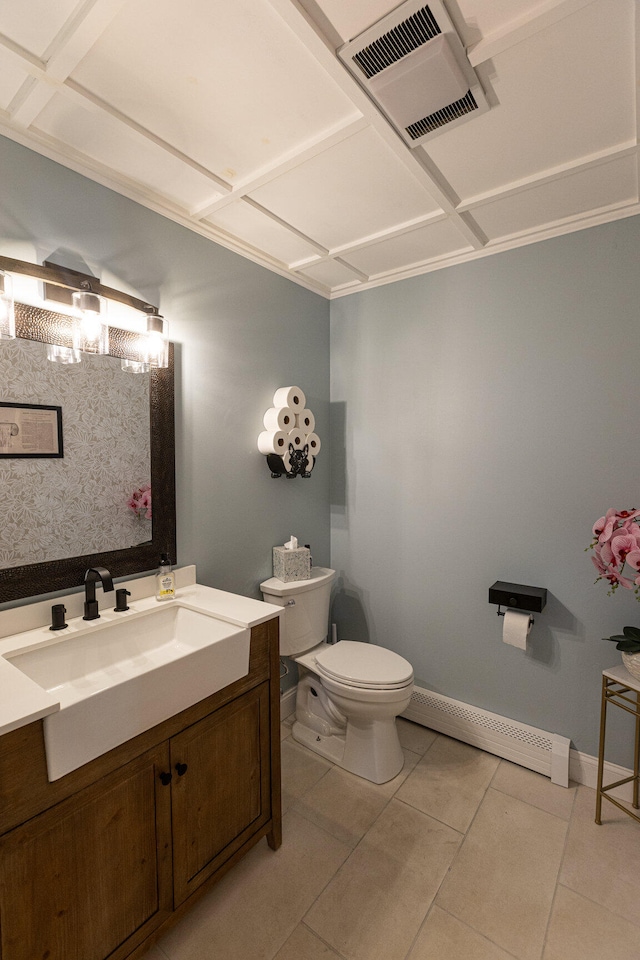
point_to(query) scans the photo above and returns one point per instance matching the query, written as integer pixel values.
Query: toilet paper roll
(290, 397)
(306, 421)
(273, 441)
(314, 444)
(516, 628)
(297, 438)
(279, 418)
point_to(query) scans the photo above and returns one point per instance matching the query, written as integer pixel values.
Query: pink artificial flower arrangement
(140, 502)
(616, 544)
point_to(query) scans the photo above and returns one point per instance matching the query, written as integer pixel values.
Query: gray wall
(483, 417)
(241, 332)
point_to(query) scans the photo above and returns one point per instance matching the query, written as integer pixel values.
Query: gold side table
(622, 690)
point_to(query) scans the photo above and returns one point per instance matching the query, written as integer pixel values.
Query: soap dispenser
(166, 580)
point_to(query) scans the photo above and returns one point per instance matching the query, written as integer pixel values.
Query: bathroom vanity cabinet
(101, 862)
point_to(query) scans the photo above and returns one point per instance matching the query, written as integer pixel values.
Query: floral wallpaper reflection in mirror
(53, 509)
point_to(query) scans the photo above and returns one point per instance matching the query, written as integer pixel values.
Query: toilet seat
(363, 665)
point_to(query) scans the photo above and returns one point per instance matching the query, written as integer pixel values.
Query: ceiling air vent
(414, 67)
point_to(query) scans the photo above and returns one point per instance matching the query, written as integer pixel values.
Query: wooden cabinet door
(92, 872)
(223, 795)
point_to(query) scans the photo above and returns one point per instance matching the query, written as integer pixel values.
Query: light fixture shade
(59, 354)
(90, 330)
(134, 366)
(7, 314)
(157, 346)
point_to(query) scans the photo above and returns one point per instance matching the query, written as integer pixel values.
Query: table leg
(636, 755)
(603, 723)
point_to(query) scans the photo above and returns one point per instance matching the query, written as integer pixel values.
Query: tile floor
(462, 857)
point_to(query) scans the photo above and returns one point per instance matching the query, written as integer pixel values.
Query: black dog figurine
(298, 463)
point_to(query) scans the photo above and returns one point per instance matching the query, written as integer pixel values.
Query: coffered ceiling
(237, 119)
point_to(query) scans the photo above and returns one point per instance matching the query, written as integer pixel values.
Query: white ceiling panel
(350, 19)
(34, 24)
(408, 249)
(237, 119)
(100, 138)
(330, 274)
(614, 183)
(262, 232)
(555, 105)
(12, 76)
(222, 82)
(485, 19)
(360, 188)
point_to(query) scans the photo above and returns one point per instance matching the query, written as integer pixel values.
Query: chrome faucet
(91, 578)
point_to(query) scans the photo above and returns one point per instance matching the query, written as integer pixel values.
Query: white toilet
(349, 693)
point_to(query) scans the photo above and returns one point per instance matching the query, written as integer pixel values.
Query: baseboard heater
(546, 753)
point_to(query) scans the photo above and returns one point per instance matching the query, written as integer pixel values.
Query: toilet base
(369, 749)
(329, 747)
(353, 728)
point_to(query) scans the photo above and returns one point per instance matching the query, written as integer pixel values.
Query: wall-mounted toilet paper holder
(300, 464)
(517, 596)
(289, 440)
(501, 613)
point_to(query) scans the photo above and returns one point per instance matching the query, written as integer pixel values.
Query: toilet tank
(305, 622)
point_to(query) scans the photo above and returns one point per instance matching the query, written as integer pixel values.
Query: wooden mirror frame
(35, 579)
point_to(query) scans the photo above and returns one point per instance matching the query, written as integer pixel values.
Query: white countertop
(21, 628)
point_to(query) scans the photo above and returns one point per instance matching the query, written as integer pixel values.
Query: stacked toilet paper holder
(289, 440)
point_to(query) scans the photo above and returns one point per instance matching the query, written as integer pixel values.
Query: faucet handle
(58, 611)
(121, 600)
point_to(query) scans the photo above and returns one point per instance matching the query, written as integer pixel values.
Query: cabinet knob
(181, 769)
(166, 778)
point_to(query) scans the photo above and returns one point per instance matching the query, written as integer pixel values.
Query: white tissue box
(292, 564)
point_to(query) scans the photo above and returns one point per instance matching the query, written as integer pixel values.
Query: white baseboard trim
(583, 768)
(288, 703)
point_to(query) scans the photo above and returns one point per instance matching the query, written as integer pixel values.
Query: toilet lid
(364, 665)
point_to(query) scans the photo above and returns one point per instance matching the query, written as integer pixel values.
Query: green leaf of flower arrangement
(633, 633)
(628, 646)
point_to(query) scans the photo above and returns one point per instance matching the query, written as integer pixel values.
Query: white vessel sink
(115, 679)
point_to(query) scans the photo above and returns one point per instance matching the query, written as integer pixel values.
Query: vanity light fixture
(58, 354)
(157, 345)
(134, 366)
(7, 315)
(90, 330)
(81, 326)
